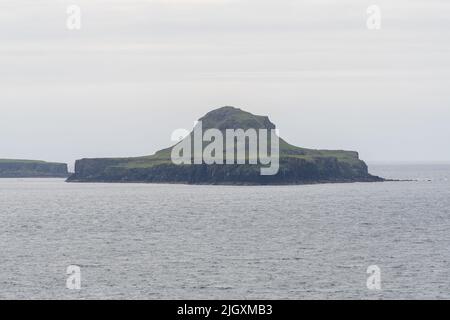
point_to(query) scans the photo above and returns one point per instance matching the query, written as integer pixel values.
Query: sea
(63, 240)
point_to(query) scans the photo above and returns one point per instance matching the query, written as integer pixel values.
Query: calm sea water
(176, 241)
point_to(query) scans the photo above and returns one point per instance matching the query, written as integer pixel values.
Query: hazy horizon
(137, 70)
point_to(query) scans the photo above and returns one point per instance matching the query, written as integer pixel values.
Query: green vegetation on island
(296, 165)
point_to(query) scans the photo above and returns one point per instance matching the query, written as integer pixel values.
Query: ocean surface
(154, 241)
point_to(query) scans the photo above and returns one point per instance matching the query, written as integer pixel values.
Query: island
(12, 168)
(296, 165)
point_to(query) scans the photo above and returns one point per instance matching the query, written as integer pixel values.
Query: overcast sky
(139, 69)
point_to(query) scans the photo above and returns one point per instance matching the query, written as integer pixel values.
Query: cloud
(150, 61)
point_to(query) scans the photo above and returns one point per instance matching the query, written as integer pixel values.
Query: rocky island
(296, 165)
(10, 168)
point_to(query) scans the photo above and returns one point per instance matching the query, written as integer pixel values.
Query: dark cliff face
(292, 171)
(32, 169)
(297, 165)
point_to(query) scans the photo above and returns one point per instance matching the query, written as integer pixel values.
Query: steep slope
(297, 165)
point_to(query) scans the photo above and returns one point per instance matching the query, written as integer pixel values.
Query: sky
(137, 70)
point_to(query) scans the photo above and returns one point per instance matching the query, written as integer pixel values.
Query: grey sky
(137, 70)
